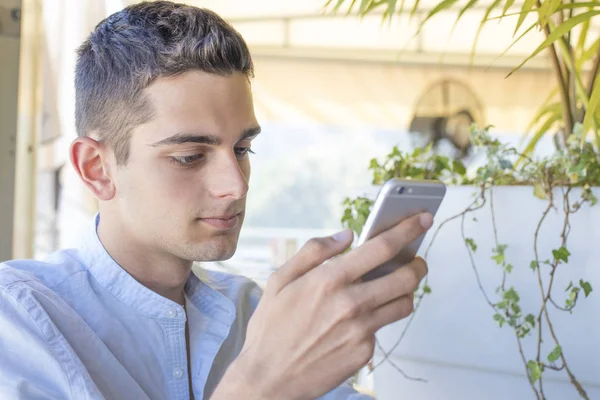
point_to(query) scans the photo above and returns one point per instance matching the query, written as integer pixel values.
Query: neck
(162, 273)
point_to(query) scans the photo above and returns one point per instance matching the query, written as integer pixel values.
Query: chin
(218, 249)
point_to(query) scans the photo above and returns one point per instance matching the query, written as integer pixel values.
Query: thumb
(314, 253)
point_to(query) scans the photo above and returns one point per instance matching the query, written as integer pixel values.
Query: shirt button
(171, 313)
(177, 372)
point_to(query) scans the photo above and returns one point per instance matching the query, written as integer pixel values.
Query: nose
(228, 180)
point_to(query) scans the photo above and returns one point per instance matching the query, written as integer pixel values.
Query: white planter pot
(455, 344)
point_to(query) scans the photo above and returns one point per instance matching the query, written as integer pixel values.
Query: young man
(165, 120)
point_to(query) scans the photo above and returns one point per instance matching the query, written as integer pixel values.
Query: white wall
(455, 344)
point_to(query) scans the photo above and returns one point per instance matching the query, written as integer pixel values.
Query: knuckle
(387, 247)
(316, 246)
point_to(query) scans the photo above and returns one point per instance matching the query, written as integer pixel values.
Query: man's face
(183, 189)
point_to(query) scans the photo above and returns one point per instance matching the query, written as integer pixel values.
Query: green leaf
(594, 104)
(502, 304)
(552, 109)
(505, 164)
(364, 4)
(471, 243)
(463, 10)
(499, 258)
(372, 5)
(445, 4)
(534, 370)
(569, 287)
(530, 319)
(572, 6)
(337, 5)
(511, 295)
(587, 288)
(548, 8)
(458, 167)
(516, 309)
(542, 130)
(426, 289)
(527, 6)
(534, 265)
(568, 303)
(555, 354)
(574, 292)
(508, 268)
(500, 248)
(582, 36)
(508, 5)
(414, 10)
(557, 33)
(561, 254)
(588, 54)
(539, 192)
(499, 318)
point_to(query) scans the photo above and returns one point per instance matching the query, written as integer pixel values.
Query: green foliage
(566, 36)
(561, 254)
(573, 166)
(471, 243)
(586, 286)
(356, 212)
(555, 354)
(535, 370)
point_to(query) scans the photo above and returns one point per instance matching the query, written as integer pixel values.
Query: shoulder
(39, 275)
(239, 289)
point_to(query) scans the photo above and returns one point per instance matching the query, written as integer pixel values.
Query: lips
(222, 222)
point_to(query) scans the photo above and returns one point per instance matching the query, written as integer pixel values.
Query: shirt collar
(112, 277)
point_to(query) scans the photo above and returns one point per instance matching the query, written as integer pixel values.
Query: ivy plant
(552, 180)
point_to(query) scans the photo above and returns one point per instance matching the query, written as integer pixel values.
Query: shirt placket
(177, 365)
(218, 314)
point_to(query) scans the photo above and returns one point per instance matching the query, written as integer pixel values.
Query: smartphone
(397, 200)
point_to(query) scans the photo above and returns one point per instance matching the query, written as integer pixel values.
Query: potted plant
(512, 244)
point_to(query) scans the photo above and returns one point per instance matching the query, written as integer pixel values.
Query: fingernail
(343, 236)
(426, 220)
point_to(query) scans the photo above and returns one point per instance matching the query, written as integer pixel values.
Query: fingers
(383, 247)
(402, 282)
(388, 313)
(314, 253)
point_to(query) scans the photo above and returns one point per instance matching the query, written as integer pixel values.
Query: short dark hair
(133, 47)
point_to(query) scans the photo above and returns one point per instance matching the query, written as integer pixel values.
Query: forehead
(196, 101)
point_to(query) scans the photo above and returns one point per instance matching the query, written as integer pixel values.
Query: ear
(90, 159)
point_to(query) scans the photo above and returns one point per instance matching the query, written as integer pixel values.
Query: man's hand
(315, 325)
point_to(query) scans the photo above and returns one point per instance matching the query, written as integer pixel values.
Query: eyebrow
(213, 140)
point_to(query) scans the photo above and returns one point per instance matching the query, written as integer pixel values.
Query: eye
(242, 152)
(186, 161)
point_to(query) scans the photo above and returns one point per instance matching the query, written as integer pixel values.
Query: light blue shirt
(77, 326)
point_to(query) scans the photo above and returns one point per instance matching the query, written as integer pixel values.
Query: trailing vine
(553, 179)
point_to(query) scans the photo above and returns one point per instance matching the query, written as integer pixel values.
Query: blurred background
(331, 91)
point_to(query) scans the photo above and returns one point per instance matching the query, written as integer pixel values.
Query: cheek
(159, 185)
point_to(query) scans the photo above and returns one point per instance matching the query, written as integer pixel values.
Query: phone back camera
(400, 190)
